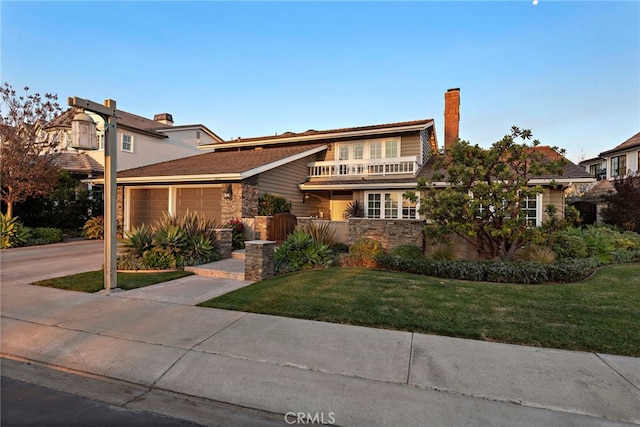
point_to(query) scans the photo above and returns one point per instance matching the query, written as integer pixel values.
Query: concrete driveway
(33, 263)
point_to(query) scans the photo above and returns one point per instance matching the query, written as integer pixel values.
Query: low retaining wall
(390, 233)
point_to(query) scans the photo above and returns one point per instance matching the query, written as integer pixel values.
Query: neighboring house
(608, 166)
(141, 141)
(319, 171)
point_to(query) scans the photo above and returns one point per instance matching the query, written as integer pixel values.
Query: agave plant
(300, 252)
(199, 246)
(138, 240)
(12, 232)
(170, 239)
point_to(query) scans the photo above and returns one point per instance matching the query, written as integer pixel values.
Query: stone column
(224, 242)
(258, 263)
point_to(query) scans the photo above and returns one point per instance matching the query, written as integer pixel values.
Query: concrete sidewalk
(348, 375)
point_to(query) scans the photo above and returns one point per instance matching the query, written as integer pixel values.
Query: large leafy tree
(479, 194)
(26, 148)
(623, 206)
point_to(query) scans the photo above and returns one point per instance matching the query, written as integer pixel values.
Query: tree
(623, 206)
(26, 148)
(479, 194)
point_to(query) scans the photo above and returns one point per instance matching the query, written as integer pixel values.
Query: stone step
(238, 254)
(230, 268)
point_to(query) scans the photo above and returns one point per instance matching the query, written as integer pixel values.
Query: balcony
(363, 168)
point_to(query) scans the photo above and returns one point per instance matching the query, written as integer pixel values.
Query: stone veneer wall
(261, 227)
(232, 208)
(223, 243)
(120, 207)
(250, 194)
(340, 227)
(259, 260)
(390, 233)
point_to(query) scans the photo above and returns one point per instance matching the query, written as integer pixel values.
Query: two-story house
(609, 165)
(319, 171)
(141, 141)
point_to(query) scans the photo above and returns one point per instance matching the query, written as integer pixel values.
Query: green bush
(340, 248)
(367, 247)
(130, 262)
(322, 233)
(93, 229)
(138, 240)
(47, 235)
(567, 245)
(159, 260)
(300, 252)
(570, 270)
(408, 251)
(12, 232)
(237, 232)
(268, 204)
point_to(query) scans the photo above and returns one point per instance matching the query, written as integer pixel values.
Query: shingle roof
(571, 170)
(77, 162)
(632, 142)
(218, 162)
(324, 133)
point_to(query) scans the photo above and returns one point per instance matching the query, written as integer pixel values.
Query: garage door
(205, 201)
(147, 205)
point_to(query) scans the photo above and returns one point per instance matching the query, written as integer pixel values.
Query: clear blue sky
(567, 70)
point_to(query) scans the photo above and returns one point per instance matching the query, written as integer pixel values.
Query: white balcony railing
(370, 167)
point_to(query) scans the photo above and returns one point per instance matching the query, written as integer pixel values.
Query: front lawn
(600, 314)
(93, 281)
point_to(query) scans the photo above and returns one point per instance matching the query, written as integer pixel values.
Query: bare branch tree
(26, 146)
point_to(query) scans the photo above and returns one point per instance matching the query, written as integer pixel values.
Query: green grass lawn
(600, 314)
(93, 281)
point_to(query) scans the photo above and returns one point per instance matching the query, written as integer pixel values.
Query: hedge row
(570, 270)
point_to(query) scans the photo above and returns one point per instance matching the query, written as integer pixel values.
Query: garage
(205, 201)
(146, 205)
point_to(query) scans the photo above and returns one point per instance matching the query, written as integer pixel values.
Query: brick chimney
(451, 117)
(164, 118)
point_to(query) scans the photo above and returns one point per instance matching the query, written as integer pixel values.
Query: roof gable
(630, 143)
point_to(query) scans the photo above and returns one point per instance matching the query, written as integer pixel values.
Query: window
(529, 210)
(127, 143)
(395, 206)
(101, 141)
(373, 206)
(343, 152)
(391, 149)
(375, 150)
(358, 151)
(68, 140)
(594, 170)
(619, 165)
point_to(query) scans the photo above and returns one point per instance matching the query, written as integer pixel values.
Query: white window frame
(396, 198)
(370, 149)
(538, 209)
(130, 150)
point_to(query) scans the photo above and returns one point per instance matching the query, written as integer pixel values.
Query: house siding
(283, 182)
(554, 197)
(410, 145)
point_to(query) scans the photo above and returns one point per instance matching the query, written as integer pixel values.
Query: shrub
(354, 210)
(368, 247)
(322, 233)
(199, 247)
(567, 245)
(47, 235)
(237, 229)
(138, 240)
(494, 271)
(130, 262)
(93, 229)
(408, 251)
(170, 239)
(535, 253)
(443, 252)
(340, 248)
(300, 252)
(268, 204)
(159, 260)
(190, 223)
(351, 260)
(12, 232)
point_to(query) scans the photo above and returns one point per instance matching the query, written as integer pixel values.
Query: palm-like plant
(354, 210)
(138, 240)
(170, 239)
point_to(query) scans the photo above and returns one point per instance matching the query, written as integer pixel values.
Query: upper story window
(391, 148)
(619, 165)
(100, 141)
(358, 151)
(375, 150)
(127, 143)
(594, 170)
